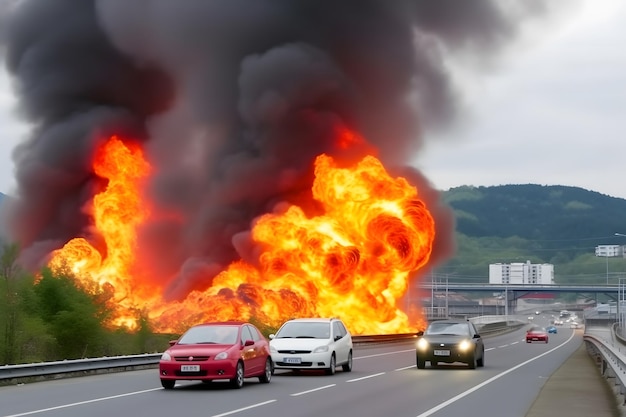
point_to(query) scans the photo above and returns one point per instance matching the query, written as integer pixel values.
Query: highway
(384, 382)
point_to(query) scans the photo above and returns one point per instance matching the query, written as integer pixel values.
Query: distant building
(521, 273)
(609, 251)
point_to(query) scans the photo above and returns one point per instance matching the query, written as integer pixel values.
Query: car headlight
(220, 356)
(422, 344)
(465, 345)
(321, 349)
(166, 356)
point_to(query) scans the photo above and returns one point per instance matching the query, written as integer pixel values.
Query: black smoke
(233, 100)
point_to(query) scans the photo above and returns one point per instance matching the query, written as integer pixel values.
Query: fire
(353, 260)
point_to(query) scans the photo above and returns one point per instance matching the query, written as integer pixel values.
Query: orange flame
(352, 261)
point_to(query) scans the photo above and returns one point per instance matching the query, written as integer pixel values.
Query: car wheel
(472, 361)
(168, 383)
(333, 365)
(237, 381)
(267, 373)
(421, 363)
(347, 367)
(546, 340)
(481, 361)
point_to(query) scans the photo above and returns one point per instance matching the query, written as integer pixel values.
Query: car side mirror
(338, 337)
(248, 342)
(476, 336)
(271, 336)
(173, 342)
(420, 333)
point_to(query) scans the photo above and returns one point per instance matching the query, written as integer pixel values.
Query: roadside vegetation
(48, 317)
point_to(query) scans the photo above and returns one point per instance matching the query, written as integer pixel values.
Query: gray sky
(551, 112)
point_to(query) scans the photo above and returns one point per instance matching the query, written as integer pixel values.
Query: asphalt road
(384, 382)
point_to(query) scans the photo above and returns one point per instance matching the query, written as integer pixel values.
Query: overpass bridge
(610, 290)
(439, 306)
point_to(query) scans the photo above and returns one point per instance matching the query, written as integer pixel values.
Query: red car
(536, 334)
(223, 350)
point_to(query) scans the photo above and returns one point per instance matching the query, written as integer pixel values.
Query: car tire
(267, 372)
(347, 367)
(168, 383)
(472, 361)
(421, 363)
(237, 381)
(333, 365)
(481, 361)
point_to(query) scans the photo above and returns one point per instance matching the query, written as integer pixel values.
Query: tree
(10, 273)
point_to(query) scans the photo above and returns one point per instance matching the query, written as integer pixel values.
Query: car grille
(199, 373)
(294, 352)
(294, 365)
(191, 358)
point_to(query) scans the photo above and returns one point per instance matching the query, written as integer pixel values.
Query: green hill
(544, 224)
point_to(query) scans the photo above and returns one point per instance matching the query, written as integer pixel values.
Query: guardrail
(11, 374)
(610, 361)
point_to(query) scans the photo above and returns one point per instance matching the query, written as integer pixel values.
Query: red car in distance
(222, 350)
(536, 334)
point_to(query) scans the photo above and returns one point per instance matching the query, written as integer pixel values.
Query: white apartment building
(609, 251)
(521, 273)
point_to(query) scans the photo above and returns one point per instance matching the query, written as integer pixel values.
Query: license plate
(292, 360)
(190, 368)
(442, 353)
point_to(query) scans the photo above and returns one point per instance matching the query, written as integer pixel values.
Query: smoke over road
(232, 100)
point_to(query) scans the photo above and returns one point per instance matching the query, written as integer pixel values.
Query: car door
(249, 353)
(341, 342)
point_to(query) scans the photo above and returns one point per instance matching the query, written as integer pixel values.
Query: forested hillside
(552, 224)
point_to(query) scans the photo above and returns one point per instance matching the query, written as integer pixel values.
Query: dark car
(223, 350)
(551, 329)
(450, 341)
(536, 334)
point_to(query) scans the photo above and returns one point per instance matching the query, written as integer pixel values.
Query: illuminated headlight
(422, 344)
(220, 356)
(166, 356)
(321, 349)
(465, 345)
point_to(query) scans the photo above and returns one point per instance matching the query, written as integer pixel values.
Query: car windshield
(455, 329)
(224, 335)
(304, 330)
(537, 330)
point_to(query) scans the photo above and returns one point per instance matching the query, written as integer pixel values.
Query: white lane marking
(243, 409)
(385, 354)
(490, 380)
(312, 390)
(95, 400)
(514, 343)
(404, 369)
(365, 377)
(488, 349)
(502, 346)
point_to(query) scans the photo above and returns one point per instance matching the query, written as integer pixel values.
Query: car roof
(314, 319)
(451, 321)
(222, 323)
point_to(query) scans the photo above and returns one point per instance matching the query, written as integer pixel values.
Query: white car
(312, 343)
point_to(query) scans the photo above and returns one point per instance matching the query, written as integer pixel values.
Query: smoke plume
(233, 100)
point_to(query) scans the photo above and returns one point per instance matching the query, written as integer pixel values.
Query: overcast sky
(552, 112)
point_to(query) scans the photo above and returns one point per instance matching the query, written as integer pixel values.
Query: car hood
(442, 338)
(297, 344)
(197, 350)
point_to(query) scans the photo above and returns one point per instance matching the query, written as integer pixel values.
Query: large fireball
(353, 260)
